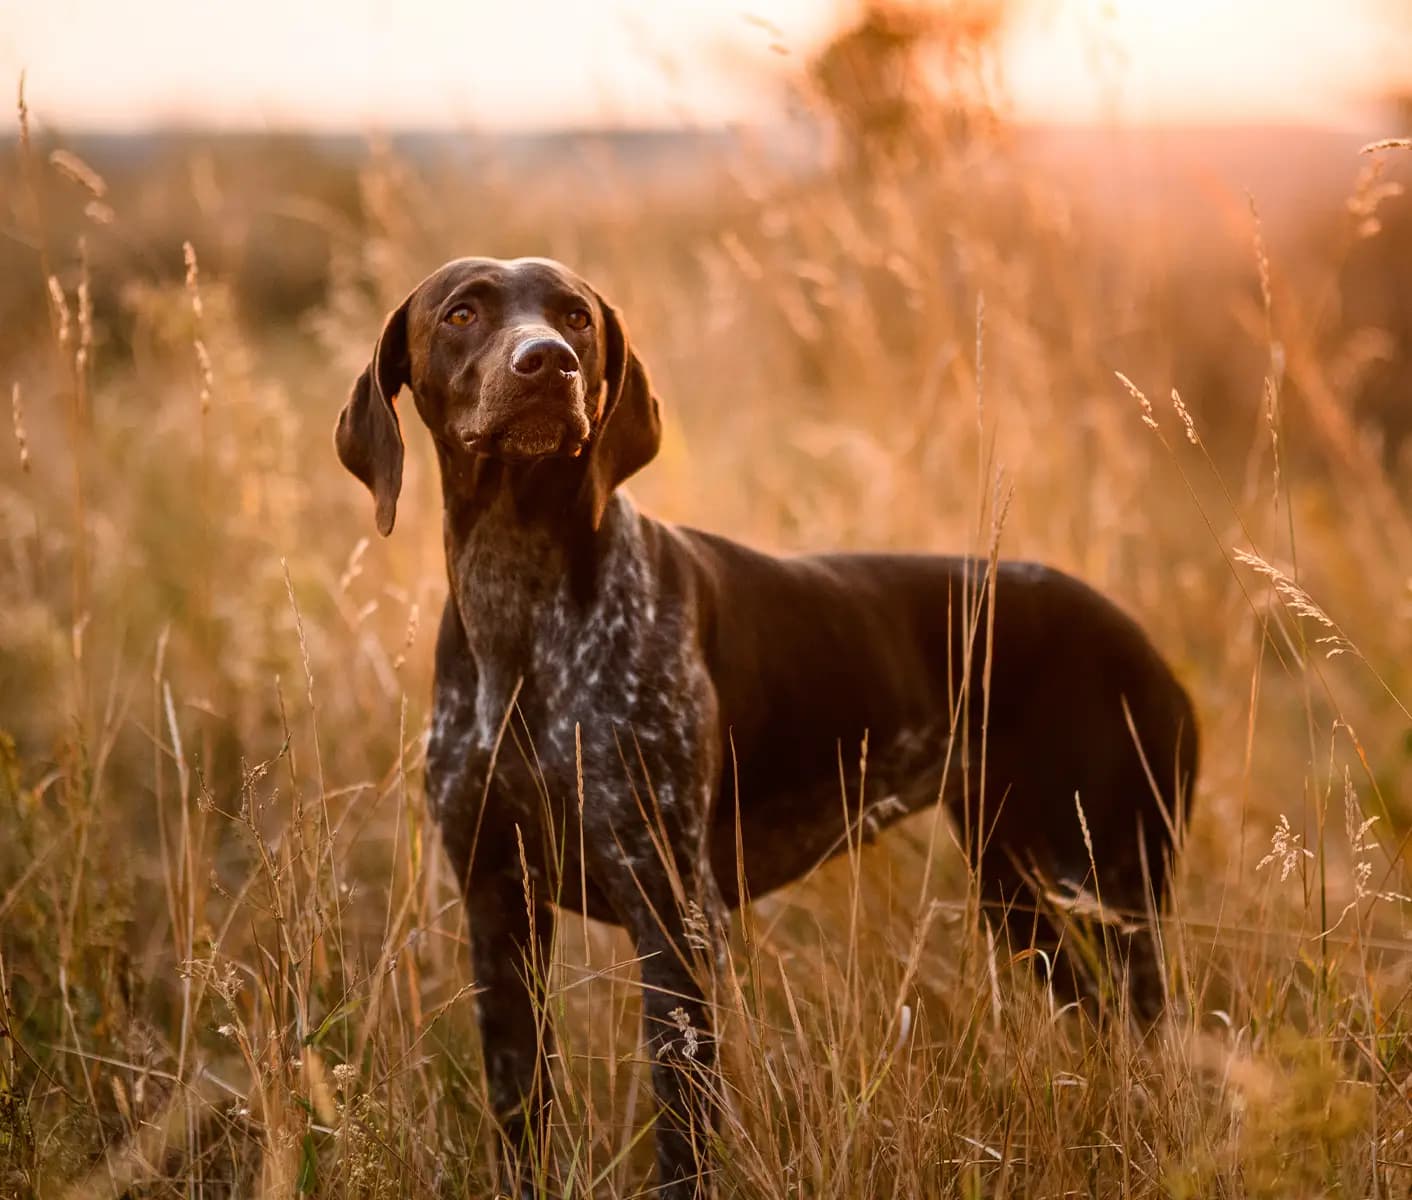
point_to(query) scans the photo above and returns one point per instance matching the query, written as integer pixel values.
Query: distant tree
(902, 75)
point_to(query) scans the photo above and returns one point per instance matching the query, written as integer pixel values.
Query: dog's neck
(523, 555)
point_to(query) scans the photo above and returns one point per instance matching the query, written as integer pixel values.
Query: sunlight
(548, 63)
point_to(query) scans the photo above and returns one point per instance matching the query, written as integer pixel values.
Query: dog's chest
(578, 670)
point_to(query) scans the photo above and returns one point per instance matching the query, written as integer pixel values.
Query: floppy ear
(628, 434)
(369, 437)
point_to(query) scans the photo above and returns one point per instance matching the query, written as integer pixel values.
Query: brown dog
(702, 695)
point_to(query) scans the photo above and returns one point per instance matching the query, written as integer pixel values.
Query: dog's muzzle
(543, 432)
(532, 406)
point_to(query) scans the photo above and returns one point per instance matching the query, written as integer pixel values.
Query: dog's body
(637, 720)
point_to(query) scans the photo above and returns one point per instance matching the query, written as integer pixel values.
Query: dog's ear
(628, 433)
(369, 436)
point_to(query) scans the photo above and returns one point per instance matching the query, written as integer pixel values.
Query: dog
(650, 724)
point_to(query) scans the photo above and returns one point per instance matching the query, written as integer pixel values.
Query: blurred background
(885, 262)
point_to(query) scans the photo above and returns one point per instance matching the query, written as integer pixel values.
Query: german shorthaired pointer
(622, 705)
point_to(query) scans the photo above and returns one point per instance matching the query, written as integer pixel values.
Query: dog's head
(518, 361)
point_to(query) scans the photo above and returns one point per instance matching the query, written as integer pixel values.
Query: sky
(368, 65)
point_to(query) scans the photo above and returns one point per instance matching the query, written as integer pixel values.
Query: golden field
(232, 960)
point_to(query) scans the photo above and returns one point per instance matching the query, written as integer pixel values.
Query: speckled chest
(605, 686)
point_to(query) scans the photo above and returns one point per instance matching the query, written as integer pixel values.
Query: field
(232, 960)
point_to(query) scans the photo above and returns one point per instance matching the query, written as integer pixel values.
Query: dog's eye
(461, 315)
(578, 319)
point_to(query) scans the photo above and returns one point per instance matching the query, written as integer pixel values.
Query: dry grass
(231, 957)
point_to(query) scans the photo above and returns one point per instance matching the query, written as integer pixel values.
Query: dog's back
(1056, 703)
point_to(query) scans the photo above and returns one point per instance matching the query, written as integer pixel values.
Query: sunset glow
(549, 63)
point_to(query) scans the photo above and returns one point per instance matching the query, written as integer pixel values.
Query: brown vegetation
(231, 958)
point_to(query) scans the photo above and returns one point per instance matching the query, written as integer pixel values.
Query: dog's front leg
(510, 958)
(667, 898)
(511, 929)
(679, 1028)
(510, 926)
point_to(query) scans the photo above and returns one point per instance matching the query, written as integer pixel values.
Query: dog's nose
(542, 356)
